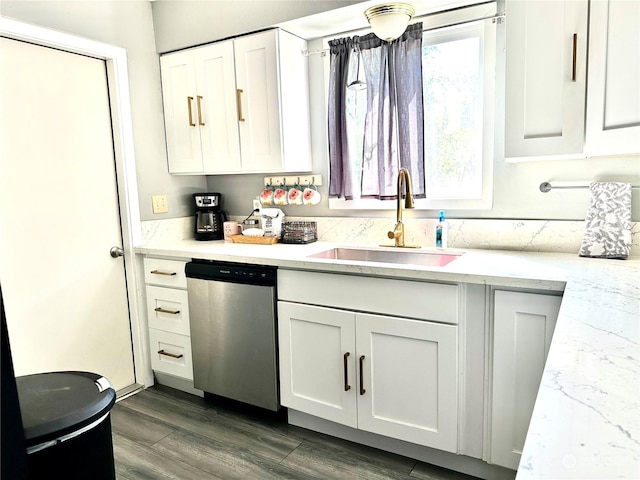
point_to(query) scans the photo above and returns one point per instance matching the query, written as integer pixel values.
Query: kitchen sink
(403, 257)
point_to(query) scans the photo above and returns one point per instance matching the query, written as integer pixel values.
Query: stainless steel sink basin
(403, 257)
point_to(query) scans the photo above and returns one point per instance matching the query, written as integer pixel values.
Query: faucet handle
(397, 232)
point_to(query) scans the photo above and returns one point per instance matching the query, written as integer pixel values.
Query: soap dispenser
(441, 232)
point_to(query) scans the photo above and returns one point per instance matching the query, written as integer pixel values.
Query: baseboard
(458, 463)
(128, 391)
(177, 383)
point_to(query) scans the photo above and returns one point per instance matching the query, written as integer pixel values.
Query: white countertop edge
(473, 266)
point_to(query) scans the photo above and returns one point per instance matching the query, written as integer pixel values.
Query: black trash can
(67, 426)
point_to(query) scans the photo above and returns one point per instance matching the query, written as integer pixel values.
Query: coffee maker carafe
(209, 217)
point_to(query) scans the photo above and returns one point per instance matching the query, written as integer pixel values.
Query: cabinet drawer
(402, 298)
(168, 309)
(175, 358)
(168, 273)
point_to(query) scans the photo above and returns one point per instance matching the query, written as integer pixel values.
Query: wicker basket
(299, 232)
(254, 240)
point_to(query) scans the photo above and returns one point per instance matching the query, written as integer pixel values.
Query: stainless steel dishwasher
(232, 310)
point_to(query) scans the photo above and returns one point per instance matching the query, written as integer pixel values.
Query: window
(458, 67)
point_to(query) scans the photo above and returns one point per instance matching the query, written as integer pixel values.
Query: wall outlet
(160, 203)
(256, 203)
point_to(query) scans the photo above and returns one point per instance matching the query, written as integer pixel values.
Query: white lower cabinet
(171, 353)
(523, 327)
(168, 315)
(386, 375)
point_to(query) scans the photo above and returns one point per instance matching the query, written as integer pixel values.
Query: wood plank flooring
(162, 433)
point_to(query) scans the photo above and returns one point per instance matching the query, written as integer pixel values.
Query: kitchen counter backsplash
(560, 236)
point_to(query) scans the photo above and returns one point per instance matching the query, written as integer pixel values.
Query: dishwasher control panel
(231, 272)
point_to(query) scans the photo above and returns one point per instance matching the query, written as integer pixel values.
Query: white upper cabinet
(216, 108)
(554, 107)
(198, 89)
(545, 77)
(178, 89)
(238, 106)
(613, 94)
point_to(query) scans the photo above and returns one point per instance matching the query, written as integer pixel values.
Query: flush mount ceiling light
(390, 20)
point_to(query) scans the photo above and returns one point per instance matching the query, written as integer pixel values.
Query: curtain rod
(546, 186)
(498, 17)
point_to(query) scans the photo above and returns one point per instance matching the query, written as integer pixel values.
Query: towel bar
(546, 186)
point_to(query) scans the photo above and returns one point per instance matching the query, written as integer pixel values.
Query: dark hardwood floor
(164, 433)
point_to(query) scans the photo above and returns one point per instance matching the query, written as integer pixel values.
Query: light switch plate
(160, 203)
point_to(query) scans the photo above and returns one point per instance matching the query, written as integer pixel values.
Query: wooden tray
(254, 240)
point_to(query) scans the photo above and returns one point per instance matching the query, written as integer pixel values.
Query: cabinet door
(259, 115)
(410, 378)
(613, 100)
(544, 104)
(217, 111)
(317, 373)
(523, 326)
(179, 98)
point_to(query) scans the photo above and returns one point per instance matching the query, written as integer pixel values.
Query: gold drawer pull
(189, 100)
(162, 310)
(239, 104)
(199, 98)
(158, 272)
(172, 355)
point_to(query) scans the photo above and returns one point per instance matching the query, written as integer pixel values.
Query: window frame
(488, 58)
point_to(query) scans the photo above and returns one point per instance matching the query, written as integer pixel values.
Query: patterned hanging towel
(607, 231)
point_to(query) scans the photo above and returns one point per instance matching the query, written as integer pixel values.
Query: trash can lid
(56, 404)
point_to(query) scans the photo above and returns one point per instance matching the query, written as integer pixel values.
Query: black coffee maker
(209, 217)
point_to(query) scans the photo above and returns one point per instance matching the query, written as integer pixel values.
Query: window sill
(419, 204)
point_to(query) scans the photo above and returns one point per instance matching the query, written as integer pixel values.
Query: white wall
(184, 23)
(127, 24)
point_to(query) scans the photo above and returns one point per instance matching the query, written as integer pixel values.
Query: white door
(179, 97)
(217, 108)
(545, 78)
(65, 296)
(613, 101)
(410, 377)
(523, 327)
(317, 374)
(257, 76)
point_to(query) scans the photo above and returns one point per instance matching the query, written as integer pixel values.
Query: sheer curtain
(393, 129)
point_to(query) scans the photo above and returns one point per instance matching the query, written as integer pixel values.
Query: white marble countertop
(586, 421)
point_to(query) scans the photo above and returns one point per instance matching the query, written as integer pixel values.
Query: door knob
(116, 252)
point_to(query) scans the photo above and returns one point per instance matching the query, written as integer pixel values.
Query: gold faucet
(398, 231)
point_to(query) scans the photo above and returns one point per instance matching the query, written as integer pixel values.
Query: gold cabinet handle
(158, 272)
(200, 122)
(171, 312)
(172, 355)
(362, 390)
(575, 57)
(347, 387)
(189, 100)
(239, 103)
